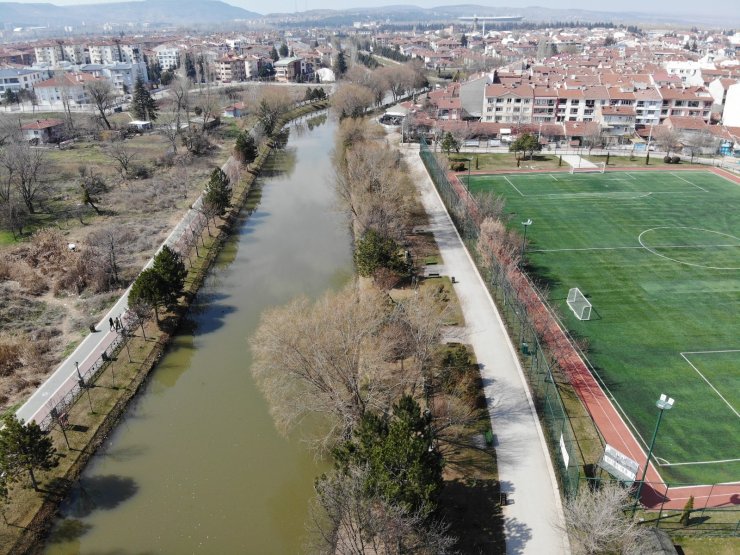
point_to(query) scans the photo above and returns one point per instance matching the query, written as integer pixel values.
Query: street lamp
(664, 403)
(524, 239)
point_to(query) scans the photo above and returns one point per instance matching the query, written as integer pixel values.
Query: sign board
(564, 452)
(619, 465)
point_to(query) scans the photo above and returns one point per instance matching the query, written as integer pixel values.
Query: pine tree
(283, 50)
(169, 266)
(217, 196)
(340, 64)
(143, 106)
(246, 147)
(25, 447)
(148, 289)
(274, 54)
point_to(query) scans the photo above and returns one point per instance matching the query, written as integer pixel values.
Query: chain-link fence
(535, 360)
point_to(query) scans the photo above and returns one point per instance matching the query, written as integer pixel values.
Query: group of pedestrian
(115, 324)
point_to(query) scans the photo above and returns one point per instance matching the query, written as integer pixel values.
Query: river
(197, 465)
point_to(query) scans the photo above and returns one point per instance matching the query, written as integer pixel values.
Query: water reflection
(209, 473)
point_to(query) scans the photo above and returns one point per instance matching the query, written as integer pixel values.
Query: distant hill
(173, 12)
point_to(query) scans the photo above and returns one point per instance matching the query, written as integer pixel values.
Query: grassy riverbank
(29, 514)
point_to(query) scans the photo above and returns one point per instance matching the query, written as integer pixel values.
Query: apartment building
(71, 86)
(115, 52)
(686, 102)
(231, 69)
(20, 79)
(52, 54)
(168, 56)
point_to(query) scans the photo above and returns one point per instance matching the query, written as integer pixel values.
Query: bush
(140, 172)
(675, 160)
(667, 159)
(457, 166)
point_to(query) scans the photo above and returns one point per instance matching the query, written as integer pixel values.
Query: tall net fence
(538, 366)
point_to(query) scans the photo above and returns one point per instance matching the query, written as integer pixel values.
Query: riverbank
(96, 413)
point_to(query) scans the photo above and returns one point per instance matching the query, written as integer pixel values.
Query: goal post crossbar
(579, 304)
(600, 168)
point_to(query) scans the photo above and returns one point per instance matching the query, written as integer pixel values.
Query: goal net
(600, 168)
(579, 304)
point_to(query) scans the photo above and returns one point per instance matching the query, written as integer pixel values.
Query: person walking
(110, 321)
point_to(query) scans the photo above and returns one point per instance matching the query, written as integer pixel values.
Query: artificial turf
(658, 256)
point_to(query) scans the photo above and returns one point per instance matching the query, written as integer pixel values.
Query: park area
(657, 254)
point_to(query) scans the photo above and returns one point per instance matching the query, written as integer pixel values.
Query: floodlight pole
(524, 240)
(664, 403)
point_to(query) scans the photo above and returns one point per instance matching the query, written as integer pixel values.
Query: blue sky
(652, 6)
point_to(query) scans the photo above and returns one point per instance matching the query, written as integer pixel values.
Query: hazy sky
(652, 6)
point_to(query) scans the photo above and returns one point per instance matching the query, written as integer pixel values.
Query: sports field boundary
(607, 418)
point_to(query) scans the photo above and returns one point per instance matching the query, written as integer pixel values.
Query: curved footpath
(533, 516)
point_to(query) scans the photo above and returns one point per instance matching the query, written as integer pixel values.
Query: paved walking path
(576, 161)
(64, 378)
(524, 466)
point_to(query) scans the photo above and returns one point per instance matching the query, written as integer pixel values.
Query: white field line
(515, 188)
(689, 182)
(698, 462)
(637, 247)
(553, 176)
(703, 377)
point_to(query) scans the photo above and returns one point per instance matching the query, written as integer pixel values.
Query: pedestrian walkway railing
(536, 362)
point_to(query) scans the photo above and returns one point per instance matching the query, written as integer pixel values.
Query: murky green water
(197, 466)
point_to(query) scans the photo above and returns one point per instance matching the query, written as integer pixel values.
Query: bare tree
(180, 93)
(322, 358)
(596, 521)
(102, 95)
(352, 100)
(122, 156)
(92, 185)
(109, 243)
(668, 138)
(138, 314)
(400, 79)
(24, 166)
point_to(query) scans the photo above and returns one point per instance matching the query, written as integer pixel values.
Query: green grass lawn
(658, 256)
(507, 161)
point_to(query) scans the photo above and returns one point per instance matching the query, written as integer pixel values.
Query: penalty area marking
(703, 377)
(689, 182)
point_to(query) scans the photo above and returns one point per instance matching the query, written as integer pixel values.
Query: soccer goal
(579, 304)
(600, 168)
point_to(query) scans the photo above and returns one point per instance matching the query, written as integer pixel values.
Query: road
(534, 512)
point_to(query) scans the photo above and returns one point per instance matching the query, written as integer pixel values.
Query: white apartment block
(20, 79)
(52, 54)
(731, 114)
(167, 55)
(115, 52)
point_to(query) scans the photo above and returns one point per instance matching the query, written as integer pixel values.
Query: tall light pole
(664, 403)
(524, 239)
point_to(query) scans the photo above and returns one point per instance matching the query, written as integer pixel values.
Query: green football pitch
(658, 256)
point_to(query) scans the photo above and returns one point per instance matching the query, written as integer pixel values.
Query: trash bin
(525, 348)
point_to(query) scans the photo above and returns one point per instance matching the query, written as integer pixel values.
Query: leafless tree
(109, 243)
(102, 95)
(67, 108)
(180, 93)
(92, 185)
(323, 358)
(25, 166)
(668, 138)
(352, 100)
(347, 521)
(596, 521)
(122, 156)
(138, 314)
(400, 79)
